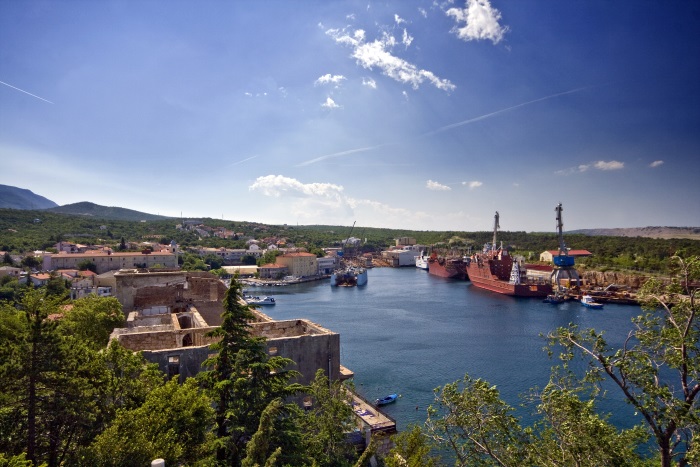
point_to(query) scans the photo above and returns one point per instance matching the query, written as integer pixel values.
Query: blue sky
(405, 114)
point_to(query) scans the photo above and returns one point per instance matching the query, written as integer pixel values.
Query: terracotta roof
(273, 265)
(299, 254)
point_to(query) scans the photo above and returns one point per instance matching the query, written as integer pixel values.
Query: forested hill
(19, 198)
(692, 233)
(105, 212)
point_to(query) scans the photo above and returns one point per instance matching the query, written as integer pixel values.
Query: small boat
(422, 261)
(554, 298)
(387, 400)
(251, 300)
(589, 302)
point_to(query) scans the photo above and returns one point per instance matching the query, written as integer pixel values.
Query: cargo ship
(495, 270)
(451, 267)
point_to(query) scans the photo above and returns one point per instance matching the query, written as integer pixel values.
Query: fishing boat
(387, 399)
(589, 302)
(254, 300)
(554, 298)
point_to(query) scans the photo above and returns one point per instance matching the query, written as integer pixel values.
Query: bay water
(408, 332)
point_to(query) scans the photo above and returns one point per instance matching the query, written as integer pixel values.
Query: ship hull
(481, 277)
(450, 269)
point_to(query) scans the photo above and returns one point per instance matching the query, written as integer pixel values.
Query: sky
(421, 115)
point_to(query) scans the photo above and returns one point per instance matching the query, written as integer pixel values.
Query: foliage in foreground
(657, 371)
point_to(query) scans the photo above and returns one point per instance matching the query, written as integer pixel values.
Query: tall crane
(563, 263)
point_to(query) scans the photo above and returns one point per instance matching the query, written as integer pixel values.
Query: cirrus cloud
(656, 164)
(473, 184)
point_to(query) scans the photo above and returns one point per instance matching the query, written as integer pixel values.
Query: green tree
(412, 448)
(242, 379)
(173, 423)
(92, 319)
(30, 262)
(87, 265)
(326, 423)
(56, 286)
(30, 374)
(658, 368)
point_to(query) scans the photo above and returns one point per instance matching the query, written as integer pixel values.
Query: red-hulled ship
(452, 267)
(495, 270)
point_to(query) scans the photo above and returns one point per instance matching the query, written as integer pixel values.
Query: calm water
(409, 332)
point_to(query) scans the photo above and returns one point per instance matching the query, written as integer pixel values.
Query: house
(106, 260)
(299, 264)
(39, 279)
(10, 271)
(547, 256)
(327, 264)
(272, 271)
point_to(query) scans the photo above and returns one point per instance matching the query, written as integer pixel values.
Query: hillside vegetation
(22, 231)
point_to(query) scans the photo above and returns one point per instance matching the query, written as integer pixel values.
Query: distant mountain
(19, 198)
(104, 212)
(692, 233)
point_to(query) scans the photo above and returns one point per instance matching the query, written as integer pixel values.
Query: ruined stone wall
(310, 353)
(164, 339)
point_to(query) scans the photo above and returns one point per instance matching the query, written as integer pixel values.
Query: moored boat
(496, 270)
(451, 267)
(254, 300)
(590, 302)
(422, 261)
(349, 276)
(387, 399)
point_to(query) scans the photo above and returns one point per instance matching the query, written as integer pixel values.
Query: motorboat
(254, 300)
(589, 302)
(387, 399)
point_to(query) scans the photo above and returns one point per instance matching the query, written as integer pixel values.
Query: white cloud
(431, 185)
(600, 165)
(611, 165)
(473, 184)
(313, 201)
(330, 104)
(398, 19)
(481, 21)
(377, 54)
(656, 164)
(423, 12)
(329, 79)
(369, 82)
(406, 39)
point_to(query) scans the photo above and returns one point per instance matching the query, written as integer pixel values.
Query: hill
(692, 233)
(19, 198)
(105, 212)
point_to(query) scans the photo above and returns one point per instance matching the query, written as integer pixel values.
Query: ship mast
(496, 226)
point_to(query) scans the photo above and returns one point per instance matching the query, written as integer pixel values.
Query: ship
(349, 276)
(422, 261)
(451, 267)
(496, 270)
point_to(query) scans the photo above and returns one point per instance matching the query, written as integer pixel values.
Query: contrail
(22, 90)
(489, 115)
(244, 160)
(445, 128)
(338, 154)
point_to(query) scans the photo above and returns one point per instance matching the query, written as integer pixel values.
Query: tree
(242, 379)
(326, 423)
(30, 373)
(30, 262)
(173, 424)
(92, 319)
(412, 448)
(87, 265)
(658, 368)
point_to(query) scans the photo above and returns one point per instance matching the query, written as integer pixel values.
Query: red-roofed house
(548, 255)
(272, 271)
